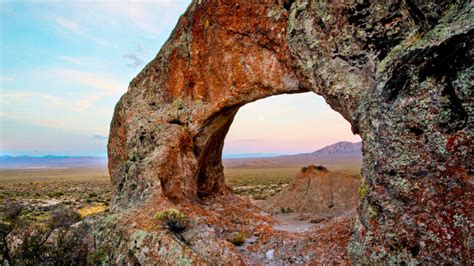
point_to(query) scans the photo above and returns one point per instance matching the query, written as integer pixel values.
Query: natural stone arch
(389, 68)
(203, 74)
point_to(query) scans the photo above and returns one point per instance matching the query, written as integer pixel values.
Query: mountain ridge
(50, 161)
(340, 147)
(342, 152)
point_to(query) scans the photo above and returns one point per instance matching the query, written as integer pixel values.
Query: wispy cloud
(50, 122)
(6, 79)
(105, 112)
(68, 24)
(68, 63)
(88, 102)
(99, 85)
(11, 98)
(79, 60)
(5, 9)
(75, 27)
(86, 21)
(104, 82)
(143, 14)
(100, 137)
(135, 58)
(247, 140)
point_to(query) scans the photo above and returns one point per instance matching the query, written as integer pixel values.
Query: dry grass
(75, 188)
(22, 176)
(93, 209)
(259, 176)
(260, 183)
(88, 187)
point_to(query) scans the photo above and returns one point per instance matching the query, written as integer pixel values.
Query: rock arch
(400, 72)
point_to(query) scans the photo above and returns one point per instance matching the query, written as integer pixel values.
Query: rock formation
(400, 71)
(316, 190)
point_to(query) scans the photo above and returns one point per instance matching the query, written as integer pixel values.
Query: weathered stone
(316, 190)
(399, 71)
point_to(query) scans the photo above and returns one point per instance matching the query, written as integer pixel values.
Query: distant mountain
(343, 152)
(343, 147)
(50, 161)
(340, 153)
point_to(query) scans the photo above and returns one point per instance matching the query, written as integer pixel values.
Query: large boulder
(316, 190)
(400, 71)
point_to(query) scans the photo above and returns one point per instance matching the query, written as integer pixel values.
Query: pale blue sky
(64, 64)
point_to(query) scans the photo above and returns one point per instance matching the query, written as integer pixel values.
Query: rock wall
(399, 71)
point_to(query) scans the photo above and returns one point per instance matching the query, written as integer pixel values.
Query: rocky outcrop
(316, 190)
(399, 71)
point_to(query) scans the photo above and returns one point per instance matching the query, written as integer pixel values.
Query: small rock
(317, 220)
(269, 254)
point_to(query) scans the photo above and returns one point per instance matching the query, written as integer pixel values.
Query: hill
(340, 153)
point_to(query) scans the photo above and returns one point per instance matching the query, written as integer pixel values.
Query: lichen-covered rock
(399, 71)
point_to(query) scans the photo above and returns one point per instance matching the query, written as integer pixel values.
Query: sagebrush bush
(173, 219)
(237, 238)
(99, 256)
(286, 210)
(63, 216)
(27, 240)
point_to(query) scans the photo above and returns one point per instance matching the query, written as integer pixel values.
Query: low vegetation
(173, 219)
(39, 214)
(88, 190)
(259, 183)
(38, 237)
(38, 208)
(237, 238)
(78, 189)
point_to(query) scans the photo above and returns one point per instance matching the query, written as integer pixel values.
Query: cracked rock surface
(400, 71)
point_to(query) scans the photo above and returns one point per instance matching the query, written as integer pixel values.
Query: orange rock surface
(399, 71)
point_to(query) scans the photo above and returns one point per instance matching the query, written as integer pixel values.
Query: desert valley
(299, 199)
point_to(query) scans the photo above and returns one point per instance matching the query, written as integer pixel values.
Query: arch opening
(258, 149)
(266, 153)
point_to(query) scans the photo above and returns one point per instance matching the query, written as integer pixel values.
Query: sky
(64, 65)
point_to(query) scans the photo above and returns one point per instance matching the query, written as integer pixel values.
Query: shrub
(98, 256)
(11, 211)
(259, 197)
(363, 190)
(173, 219)
(64, 217)
(9, 216)
(237, 238)
(37, 238)
(57, 194)
(286, 210)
